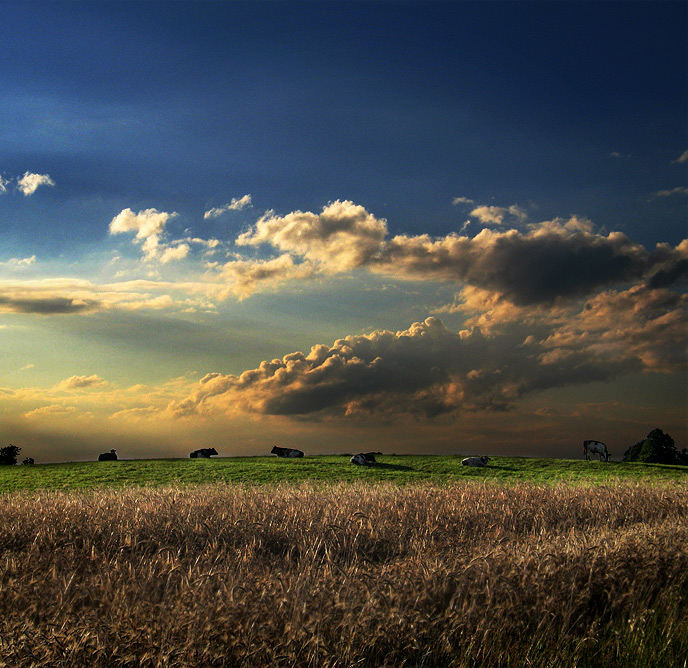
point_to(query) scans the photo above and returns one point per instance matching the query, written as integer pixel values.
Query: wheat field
(468, 574)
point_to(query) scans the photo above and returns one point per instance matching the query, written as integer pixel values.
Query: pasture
(418, 564)
(401, 469)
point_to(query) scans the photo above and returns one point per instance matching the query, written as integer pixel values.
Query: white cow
(595, 448)
(475, 461)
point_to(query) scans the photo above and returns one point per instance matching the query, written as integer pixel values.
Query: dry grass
(466, 575)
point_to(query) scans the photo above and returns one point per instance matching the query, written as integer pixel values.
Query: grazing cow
(595, 448)
(475, 461)
(203, 453)
(364, 458)
(108, 456)
(286, 452)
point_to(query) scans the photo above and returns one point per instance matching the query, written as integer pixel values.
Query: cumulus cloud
(237, 204)
(148, 225)
(556, 259)
(342, 237)
(3, 184)
(430, 370)
(463, 200)
(29, 183)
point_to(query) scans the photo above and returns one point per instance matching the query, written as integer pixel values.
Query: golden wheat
(345, 575)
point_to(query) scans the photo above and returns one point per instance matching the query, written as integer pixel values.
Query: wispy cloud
(18, 263)
(680, 190)
(496, 215)
(30, 182)
(683, 158)
(81, 382)
(237, 204)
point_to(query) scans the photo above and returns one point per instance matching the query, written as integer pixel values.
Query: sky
(408, 227)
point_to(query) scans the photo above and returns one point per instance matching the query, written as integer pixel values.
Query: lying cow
(475, 461)
(364, 458)
(108, 456)
(203, 453)
(286, 452)
(595, 448)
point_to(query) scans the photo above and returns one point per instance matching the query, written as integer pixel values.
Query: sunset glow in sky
(411, 227)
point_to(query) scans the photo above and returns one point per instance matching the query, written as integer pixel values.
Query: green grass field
(400, 469)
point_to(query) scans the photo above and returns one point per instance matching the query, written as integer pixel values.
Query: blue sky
(192, 188)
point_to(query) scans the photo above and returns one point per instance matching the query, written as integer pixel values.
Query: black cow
(203, 453)
(286, 452)
(364, 458)
(108, 456)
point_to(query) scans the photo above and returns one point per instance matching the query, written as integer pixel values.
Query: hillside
(401, 469)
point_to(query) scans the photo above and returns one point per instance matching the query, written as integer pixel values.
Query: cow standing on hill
(286, 452)
(203, 453)
(108, 456)
(595, 448)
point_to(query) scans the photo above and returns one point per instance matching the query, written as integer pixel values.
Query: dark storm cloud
(426, 370)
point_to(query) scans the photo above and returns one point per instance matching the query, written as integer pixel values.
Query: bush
(657, 448)
(8, 455)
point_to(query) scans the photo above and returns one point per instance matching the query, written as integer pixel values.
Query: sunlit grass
(458, 575)
(404, 469)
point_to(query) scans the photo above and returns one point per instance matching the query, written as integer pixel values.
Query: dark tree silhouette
(657, 448)
(8, 455)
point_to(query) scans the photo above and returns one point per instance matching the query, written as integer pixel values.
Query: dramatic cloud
(29, 183)
(234, 205)
(430, 370)
(549, 260)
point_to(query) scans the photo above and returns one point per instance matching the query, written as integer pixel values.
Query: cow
(108, 456)
(364, 458)
(595, 448)
(286, 452)
(203, 453)
(475, 461)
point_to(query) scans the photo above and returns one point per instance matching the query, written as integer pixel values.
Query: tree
(657, 448)
(8, 455)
